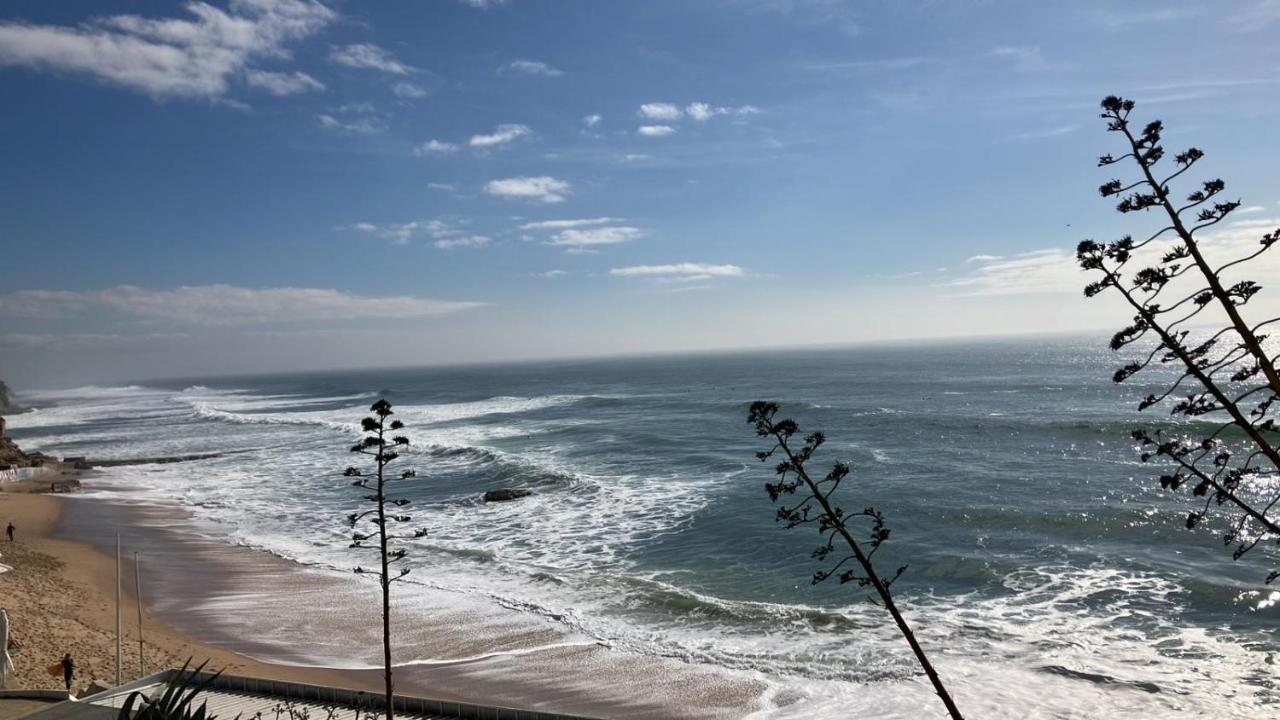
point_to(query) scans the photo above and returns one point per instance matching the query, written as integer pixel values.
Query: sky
(249, 186)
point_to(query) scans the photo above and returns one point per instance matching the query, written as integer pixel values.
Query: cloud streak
(533, 68)
(679, 272)
(221, 305)
(502, 135)
(583, 238)
(367, 56)
(282, 84)
(542, 188)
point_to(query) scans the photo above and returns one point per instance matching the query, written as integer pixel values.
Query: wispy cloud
(592, 120)
(355, 118)
(361, 125)
(467, 241)
(1055, 271)
(1052, 270)
(408, 91)
(530, 67)
(434, 147)
(667, 113)
(681, 272)
(542, 188)
(368, 56)
(703, 112)
(582, 238)
(401, 233)
(221, 305)
(281, 84)
(549, 274)
(500, 136)
(1047, 132)
(571, 223)
(660, 111)
(443, 187)
(195, 57)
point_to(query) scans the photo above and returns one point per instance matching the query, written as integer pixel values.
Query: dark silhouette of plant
(815, 506)
(178, 700)
(1223, 374)
(383, 449)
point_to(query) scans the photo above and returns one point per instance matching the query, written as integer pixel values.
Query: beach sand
(60, 596)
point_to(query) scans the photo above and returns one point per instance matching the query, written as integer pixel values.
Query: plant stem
(385, 577)
(881, 589)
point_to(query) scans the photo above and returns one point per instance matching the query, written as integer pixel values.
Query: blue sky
(262, 185)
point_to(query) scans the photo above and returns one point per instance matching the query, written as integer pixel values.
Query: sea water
(1048, 574)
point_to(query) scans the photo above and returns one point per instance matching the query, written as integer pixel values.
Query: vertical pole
(118, 610)
(137, 591)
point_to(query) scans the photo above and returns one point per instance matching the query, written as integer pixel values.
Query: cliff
(10, 453)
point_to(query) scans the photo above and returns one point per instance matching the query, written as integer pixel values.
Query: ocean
(1049, 575)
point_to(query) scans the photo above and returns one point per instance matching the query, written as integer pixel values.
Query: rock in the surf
(506, 494)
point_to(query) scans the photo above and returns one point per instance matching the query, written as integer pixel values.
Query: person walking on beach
(9, 531)
(68, 669)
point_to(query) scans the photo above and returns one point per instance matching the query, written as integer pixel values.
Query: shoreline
(60, 598)
(196, 589)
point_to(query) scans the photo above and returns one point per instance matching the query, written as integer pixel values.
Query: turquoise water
(1037, 543)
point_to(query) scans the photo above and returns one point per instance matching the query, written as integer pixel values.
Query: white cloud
(434, 147)
(542, 188)
(501, 135)
(467, 241)
(635, 157)
(446, 187)
(1251, 209)
(656, 130)
(354, 122)
(703, 112)
(549, 274)
(660, 111)
(562, 224)
(580, 238)
(281, 84)
(1053, 270)
(369, 57)
(592, 120)
(169, 56)
(221, 305)
(402, 233)
(483, 4)
(1047, 132)
(682, 272)
(531, 67)
(408, 91)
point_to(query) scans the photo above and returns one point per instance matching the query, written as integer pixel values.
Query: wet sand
(257, 614)
(60, 596)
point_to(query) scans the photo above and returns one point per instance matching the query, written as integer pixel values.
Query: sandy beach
(60, 596)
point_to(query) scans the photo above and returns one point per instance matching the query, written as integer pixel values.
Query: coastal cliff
(10, 454)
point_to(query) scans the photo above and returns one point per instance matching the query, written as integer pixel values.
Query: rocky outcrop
(7, 405)
(506, 494)
(10, 454)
